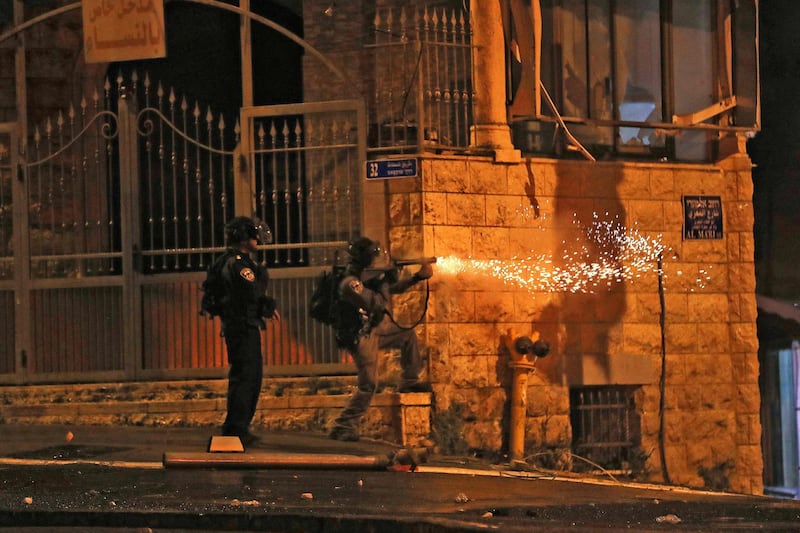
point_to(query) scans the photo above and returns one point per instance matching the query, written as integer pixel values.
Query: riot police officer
(247, 305)
(364, 328)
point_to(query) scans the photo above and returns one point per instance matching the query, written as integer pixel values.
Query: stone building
(580, 177)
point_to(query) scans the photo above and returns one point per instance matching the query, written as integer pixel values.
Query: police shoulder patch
(248, 274)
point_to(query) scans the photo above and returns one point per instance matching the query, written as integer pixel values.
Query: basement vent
(605, 428)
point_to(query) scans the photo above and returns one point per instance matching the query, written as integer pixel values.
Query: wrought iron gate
(122, 201)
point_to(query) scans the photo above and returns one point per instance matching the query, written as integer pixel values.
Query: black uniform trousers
(244, 377)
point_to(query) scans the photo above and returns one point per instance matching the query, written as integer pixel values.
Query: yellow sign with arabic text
(119, 30)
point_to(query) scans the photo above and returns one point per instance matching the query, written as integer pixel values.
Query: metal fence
(113, 207)
(125, 199)
(7, 323)
(423, 94)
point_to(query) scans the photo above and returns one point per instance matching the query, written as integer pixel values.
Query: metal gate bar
(307, 163)
(605, 425)
(186, 161)
(423, 98)
(7, 326)
(7, 301)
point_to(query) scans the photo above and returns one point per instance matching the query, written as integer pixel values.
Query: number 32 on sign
(379, 169)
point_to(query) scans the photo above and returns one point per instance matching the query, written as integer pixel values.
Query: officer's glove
(392, 275)
(266, 306)
(424, 272)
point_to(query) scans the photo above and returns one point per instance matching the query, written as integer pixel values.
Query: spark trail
(617, 254)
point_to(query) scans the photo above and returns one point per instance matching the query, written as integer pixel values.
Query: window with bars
(605, 427)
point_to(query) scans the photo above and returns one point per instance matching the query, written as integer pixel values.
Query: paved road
(115, 478)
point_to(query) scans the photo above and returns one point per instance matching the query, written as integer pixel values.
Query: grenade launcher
(391, 271)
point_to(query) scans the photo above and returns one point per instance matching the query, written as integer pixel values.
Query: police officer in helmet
(242, 321)
(364, 328)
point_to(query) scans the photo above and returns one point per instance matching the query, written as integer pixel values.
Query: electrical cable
(422, 316)
(663, 380)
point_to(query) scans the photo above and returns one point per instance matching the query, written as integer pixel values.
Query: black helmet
(363, 250)
(241, 229)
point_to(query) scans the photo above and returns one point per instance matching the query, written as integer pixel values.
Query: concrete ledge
(394, 417)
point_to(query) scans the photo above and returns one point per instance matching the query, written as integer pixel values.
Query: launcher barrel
(414, 261)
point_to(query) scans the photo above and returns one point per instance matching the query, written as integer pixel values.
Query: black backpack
(324, 304)
(215, 297)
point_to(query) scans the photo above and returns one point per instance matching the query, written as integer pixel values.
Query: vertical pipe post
(519, 410)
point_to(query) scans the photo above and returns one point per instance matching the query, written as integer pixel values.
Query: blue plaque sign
(379, 169)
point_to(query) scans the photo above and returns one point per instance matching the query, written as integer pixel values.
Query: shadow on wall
(579, 323)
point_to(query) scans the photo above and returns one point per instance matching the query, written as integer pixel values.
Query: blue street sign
(379, 169)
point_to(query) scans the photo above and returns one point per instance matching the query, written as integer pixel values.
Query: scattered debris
(519, 466)
(668, 519)
(246, 503)
(462, 498)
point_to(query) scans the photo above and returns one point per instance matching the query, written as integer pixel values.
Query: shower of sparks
(607, 253)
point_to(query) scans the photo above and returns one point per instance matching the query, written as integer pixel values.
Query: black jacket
(246, 284)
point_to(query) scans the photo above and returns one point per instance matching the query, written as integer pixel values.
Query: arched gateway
(113, 199)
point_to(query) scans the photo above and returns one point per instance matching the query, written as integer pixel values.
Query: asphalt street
(98, 478)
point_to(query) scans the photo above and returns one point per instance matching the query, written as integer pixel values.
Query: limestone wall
(603, 331)
(285, 404)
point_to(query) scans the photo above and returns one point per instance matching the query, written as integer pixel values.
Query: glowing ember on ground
(605, 254)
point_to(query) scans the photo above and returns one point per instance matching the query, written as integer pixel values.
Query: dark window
(623, 74)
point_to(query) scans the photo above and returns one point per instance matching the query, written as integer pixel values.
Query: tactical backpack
(324, 303)
(215, 297)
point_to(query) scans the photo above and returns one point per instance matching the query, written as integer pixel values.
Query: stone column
(491, 129)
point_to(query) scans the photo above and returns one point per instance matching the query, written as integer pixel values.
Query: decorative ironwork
(127, 195)
(423, 96)
(188, 159)
(72, 195)
(307, 170)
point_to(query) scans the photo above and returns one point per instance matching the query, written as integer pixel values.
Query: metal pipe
(524, 353)
(519, 402)
(274, 460)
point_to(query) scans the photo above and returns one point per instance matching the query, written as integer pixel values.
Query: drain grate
(70, 451)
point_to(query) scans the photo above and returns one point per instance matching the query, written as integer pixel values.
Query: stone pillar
(491, 129)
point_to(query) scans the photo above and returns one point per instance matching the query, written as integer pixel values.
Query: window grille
(605, 427)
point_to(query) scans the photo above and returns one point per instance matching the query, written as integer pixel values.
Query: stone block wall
(603, 332)
(285, 404)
